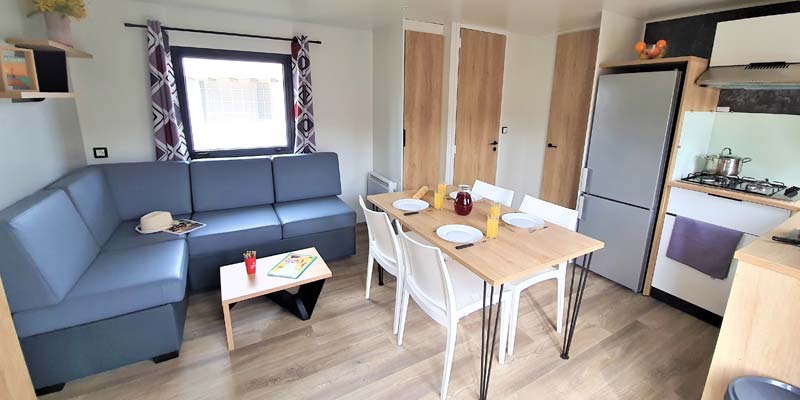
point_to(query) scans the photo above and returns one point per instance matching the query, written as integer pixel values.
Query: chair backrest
(426, 273)
(562, 216)
(381, 233)
(494, 193)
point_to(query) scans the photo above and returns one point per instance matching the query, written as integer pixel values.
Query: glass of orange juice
(438, 200)
(441, 188)
(494, 210)
(492, 227)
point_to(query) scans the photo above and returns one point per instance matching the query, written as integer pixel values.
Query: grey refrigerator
(628, 149)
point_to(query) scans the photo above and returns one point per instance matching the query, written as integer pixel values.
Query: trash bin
(761, 388)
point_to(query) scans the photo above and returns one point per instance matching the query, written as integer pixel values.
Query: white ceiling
(520, 16)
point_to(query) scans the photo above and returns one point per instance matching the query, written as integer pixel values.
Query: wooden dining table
(516, 253)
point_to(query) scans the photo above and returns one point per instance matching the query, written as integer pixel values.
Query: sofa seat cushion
(304, 217)
(45, 247)
(234, 230)
(141, 187)
(225, 183)
(126, 237)
(306, 176)
(92, 198)
(118, 282)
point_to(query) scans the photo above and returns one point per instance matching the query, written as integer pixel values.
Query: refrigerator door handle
(584, 179)
(580, 207)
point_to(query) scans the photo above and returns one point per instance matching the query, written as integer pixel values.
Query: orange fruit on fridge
(655, 52)
(640, 47)
(661, 43)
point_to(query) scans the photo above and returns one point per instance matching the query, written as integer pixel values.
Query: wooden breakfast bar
(515, 254)
(759, 332)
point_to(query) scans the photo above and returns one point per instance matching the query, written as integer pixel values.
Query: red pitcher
(463, 203)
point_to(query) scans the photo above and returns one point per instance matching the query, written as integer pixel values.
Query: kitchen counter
(779, 257)
(759, 332)
(793, 206)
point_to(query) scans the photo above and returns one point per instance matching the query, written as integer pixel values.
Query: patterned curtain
(304, 141)
(167, 124)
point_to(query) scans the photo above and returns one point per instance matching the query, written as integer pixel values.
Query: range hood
(754, 53)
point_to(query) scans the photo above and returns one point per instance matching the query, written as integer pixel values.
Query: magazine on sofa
(184, 226)
(292, 266)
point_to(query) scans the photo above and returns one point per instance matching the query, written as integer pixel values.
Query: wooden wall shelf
(36, 95)
(48, 45)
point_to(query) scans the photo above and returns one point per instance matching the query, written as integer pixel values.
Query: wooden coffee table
(236, 286)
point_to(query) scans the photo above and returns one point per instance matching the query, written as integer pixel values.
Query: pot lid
(730, 154)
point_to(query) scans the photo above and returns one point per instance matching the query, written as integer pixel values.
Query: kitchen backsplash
(771, 140)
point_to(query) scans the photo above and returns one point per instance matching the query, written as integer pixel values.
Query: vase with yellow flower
(57, 14)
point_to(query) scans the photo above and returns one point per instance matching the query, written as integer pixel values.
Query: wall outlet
(100, 152)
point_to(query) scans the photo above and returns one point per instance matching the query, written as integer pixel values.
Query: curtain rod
(247, 35)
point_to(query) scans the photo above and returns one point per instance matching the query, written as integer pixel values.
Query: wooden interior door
(570, 101)
(481, 61)
(422, 109)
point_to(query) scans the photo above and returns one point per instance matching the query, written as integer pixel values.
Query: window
(234, 103)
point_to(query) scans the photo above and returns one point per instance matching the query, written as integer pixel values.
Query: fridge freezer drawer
(626, 232)
(689, 284)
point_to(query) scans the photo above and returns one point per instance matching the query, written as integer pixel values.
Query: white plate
(460, 234)
(410, 205)
(475, 196)
(522, 220)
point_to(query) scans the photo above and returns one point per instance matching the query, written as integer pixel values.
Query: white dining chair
(383, 246)
(564, 217)
(444, 290)
(494, 193)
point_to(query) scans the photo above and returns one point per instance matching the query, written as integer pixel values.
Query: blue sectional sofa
(88, 293)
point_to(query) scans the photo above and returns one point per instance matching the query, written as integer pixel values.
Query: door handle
(493, 143)
(552, 146)
(584, 179)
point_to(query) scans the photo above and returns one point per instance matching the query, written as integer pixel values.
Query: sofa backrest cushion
(45, 247)
(141, 187)
(224, 183)
(89, 192)
(306, 176)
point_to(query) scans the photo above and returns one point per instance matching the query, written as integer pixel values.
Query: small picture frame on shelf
(17, 70)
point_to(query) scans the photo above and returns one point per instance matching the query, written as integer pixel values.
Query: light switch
(100, 152)
(504, 130)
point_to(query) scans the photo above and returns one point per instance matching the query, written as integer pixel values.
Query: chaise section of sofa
(73, 302)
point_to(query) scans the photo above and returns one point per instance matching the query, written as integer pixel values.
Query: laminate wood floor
(627, 346)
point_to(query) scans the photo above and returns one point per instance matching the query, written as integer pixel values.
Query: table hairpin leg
(488, 338)
(574, 309)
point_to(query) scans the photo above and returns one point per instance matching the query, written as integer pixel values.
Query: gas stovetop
(764, 187)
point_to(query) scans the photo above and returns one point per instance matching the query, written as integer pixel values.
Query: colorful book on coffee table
(292, 266)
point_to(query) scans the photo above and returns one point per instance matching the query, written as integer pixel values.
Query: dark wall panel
(694, 36)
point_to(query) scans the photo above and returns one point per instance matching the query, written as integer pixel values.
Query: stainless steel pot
(725, 164)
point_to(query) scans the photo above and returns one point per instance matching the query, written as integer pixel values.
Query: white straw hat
(155, 221)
